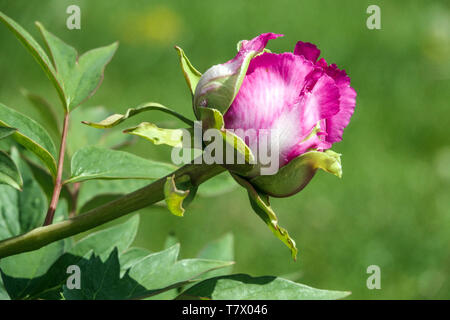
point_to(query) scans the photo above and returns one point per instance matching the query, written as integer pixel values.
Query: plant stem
(154, 192)
(58, 180)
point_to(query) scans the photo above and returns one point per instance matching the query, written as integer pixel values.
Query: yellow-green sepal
(295, 175)
(213, 119)
(157, 135)
(260, 204)
(191, 74)
(174, 197)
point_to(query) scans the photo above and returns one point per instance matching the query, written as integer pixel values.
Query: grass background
(392, 206)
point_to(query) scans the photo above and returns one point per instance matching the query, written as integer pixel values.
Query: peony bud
(307, 102)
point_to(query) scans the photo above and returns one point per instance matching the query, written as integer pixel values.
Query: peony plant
(303, 102)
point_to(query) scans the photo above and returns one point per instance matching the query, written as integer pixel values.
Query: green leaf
(34, 263)
(23, 272)
(48, 285)
(34, 274)
(260, 204)
(31, 135)
(100, 163)
(130, 257)
(245, 287)
(149, 276)
(19, 270)
(116, 119)
(191, 74)
(80, 77)
(216, 186)
(161, 271)
(174, 197)
(6, 131)
(100, 280)
(294, 176)
(35, 50)
(103, 242)
(9, 173)
(151, 132)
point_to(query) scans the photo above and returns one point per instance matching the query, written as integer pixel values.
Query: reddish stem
(58, 182)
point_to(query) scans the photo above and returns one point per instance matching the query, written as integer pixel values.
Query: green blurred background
(392, 206)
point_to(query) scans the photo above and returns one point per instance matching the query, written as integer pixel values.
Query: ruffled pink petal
(336, 124)
(308, 50)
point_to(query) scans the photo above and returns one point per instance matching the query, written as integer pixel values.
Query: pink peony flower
(308, 101)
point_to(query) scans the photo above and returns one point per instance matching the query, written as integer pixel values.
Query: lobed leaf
(21, 284)
(161, 271)
(245, 287)
(79, 77)
(148, 276)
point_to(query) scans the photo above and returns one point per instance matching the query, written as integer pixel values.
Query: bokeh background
(392, 206)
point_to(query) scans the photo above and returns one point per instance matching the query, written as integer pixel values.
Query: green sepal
(174, 197)
(218, 88)
(260, 204)
(212, 119)
(295, 175)
(151, 132)
(116, 119)
(191, 74)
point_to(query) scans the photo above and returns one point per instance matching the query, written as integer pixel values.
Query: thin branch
(58, 180)
(195, 174)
